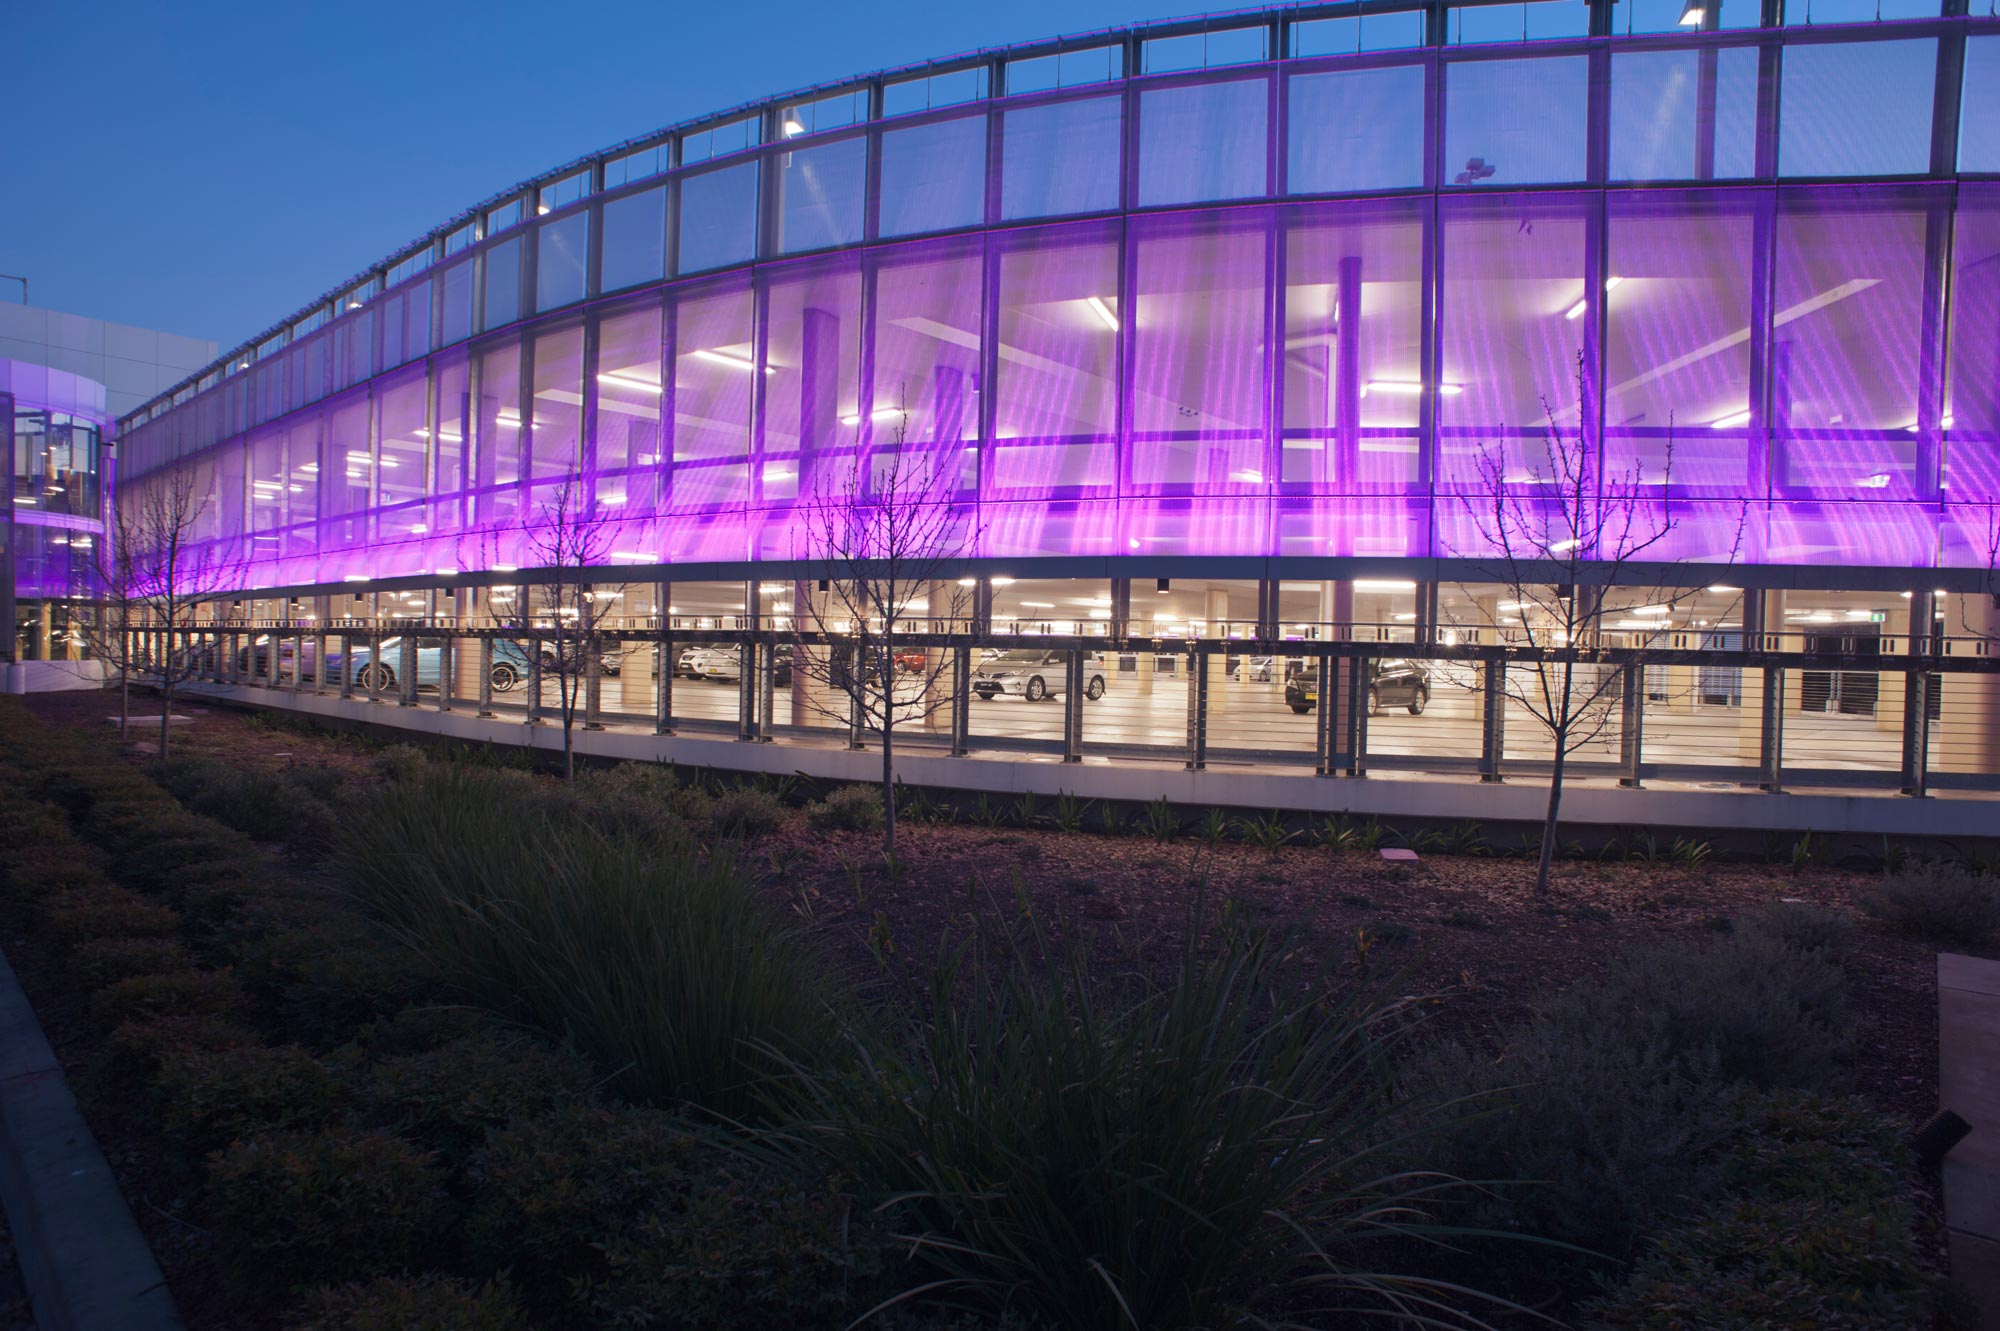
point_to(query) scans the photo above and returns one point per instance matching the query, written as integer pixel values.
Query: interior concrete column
(937, 682)
(1968, 738)
(1215, 611)
(1336, 622)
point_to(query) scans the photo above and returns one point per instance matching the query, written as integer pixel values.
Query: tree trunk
(1549, 820)
(166, 712)
(889, 775)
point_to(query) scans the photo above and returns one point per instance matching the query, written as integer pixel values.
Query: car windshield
(1019, 656)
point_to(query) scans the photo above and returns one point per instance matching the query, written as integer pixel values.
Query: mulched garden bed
(1469, 927)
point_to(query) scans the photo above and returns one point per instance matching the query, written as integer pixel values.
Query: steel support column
(1493, 719)
(406, 683)
(534, 654)
(593, 688)
(1771, 740)
(347, 665)
(961, 701)
(447, 671)
(1197, 714)
(485, 667)
(1355, 742)
(1917, 686)
(1326, 735)
(663, 688)
(1631, 724)
(767, 690)
(746, 688)
(1073, 705)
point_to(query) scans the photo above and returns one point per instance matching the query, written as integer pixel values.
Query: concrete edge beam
(1444, 798)
(83, 1259)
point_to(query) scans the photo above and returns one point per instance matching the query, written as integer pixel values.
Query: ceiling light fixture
(724, 358)
(1732, 421)
(1103, 312)
(1406, 388)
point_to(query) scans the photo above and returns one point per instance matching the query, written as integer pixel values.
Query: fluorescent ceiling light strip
(1103, 312)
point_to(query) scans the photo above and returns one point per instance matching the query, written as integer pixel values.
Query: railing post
(319, 664)
(767, 690)
(663, 691)
(534, 654)
(347, 665)
(857, 686)
(447, 671)
(593, 687)
(374, 667)
(1631, 723)
(1917, 733)
(746, 690)
(485, 676)
(1073, 705)
(1197, 718)
(1326, 734)
(1356, 742)
(961, 701)
(1493, 719)
(274, 659)
(406, 682)
(1771, 740)
(299, 661)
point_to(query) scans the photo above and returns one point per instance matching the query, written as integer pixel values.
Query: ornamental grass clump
(651, 957)
(1945, 905)
(1159, 1148)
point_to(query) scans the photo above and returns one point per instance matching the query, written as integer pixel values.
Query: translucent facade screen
(1515, 122)
(1203, 141)
(1360, 129)
(1684, 115)
(1061, 158)
(933, 177)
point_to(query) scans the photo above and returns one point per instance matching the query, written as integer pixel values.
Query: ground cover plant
(249, 1021)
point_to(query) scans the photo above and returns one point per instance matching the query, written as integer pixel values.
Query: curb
(85, 1263)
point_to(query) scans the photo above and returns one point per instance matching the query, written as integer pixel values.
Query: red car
(910, 659)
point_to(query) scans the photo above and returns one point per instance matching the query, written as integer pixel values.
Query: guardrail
(1668, 707)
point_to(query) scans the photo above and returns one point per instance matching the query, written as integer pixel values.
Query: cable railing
(1784, 710)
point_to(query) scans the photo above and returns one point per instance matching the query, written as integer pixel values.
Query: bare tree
(108, 632)
(888, 534)
(1561, 534)
(556, 617)
(169, 574)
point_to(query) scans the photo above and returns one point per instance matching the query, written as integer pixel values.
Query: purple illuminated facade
(54, 424)
(1266, 289)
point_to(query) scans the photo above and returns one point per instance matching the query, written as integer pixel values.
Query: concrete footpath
(83, 1260)
(1969, 1085)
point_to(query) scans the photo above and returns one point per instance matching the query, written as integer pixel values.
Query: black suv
(1390, 684)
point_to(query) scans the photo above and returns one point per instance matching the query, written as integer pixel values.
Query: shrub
(292, 1209)
(1807, 928)
(148, 867)
(1772, 1015)
(847, 809)
(417, 1029)
(557, 1186)
(1136, 1149)
(745, 1248)
(212, 1097)
(319, 781)
(103, 961)
(428, 1302)
(121, 1079)
(191, 992)
(1604, 1100)
(1584, 1135)
(33, 874)
(1939, 904)
(100, 910)
(1811, 1227)
(746, 813)
(401, 762)
(650, 958)
(449, 1097)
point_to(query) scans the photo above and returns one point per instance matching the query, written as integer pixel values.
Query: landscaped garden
(379, 1036)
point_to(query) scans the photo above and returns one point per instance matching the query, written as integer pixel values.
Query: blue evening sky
(206, 167)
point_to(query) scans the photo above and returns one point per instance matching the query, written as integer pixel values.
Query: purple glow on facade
(1237, 373)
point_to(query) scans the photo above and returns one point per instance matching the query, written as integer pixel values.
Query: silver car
(1033, 673)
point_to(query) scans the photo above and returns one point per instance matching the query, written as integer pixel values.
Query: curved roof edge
(1146, 29)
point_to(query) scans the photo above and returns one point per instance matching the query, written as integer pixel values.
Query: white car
(717, 661)
(1033, 673)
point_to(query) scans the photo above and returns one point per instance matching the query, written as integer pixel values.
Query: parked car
(724, 664)
(1256, 669)
(696, 661)
(1390, 684)
(508, 672)
(911, 659)
(1033, 673)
